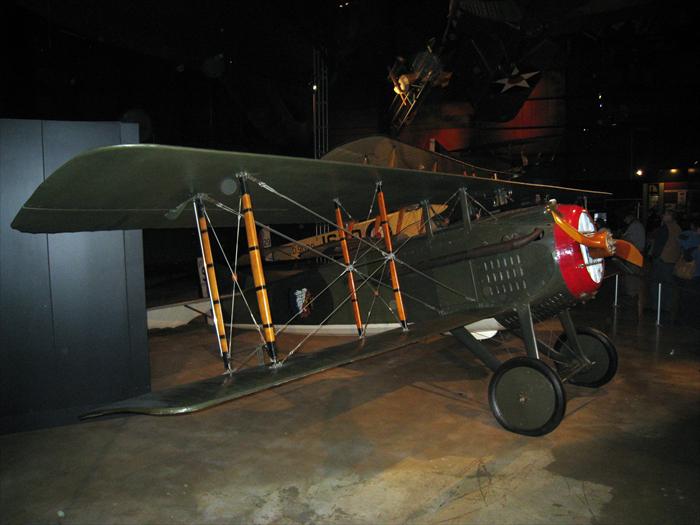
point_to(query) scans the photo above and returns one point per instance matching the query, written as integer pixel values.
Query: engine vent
(502, 274)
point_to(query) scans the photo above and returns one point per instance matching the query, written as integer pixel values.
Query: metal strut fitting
(466, 212)
(390, 259)
(257, 268)
(212, 286)
(351, 277)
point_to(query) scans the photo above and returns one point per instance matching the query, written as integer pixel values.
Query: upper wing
(150, 186)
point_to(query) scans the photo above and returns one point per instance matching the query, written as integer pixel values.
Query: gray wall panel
(139, 363)
(25, 301)
(74, 335)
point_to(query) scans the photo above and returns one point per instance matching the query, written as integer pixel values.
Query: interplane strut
(257, 268)
(390, 256)
(351, 278)
(215, 300)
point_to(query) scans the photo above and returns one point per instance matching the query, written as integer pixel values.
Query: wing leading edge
(151, 186)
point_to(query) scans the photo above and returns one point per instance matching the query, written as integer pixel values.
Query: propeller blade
(600, 243)
(627, 252)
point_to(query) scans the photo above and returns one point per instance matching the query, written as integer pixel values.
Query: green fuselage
(455, 273)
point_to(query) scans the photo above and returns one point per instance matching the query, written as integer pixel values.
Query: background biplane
(478, 271)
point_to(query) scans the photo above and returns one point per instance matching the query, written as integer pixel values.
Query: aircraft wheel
(527, 397)
(600, 350)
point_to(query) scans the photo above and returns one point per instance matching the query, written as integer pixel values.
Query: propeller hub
(576, 244)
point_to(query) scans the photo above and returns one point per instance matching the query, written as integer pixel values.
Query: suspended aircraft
(508, 255)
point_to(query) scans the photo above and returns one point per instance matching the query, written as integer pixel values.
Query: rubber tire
(545, 384)
(594, 345)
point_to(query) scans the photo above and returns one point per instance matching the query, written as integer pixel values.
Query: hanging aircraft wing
(151, 186)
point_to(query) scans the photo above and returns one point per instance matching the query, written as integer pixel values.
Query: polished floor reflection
(407, 437)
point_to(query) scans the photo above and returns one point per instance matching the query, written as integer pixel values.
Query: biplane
(506, 256)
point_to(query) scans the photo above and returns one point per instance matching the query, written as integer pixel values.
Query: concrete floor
(403, 438)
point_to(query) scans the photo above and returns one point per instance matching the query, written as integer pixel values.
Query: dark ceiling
(238, 75)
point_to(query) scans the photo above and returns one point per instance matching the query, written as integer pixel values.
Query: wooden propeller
(600, 243)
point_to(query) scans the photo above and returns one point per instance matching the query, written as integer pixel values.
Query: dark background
(237, 75)
(615, 90)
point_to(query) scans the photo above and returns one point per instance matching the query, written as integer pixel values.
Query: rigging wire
(319, 294)
(388, 256)
(314, 332)
(226, 208)
(376, 294)
(236, 283)
(234, 276)
(346, 268)
(367, 279)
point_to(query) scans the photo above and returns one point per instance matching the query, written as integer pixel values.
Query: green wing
(152, 186)
(206, 393)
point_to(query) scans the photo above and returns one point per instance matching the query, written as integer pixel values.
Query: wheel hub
(526, 396)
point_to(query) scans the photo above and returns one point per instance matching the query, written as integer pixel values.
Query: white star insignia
(516, 78)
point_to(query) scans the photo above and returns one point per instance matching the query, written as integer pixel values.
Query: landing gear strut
(598, 350)
(526, 394)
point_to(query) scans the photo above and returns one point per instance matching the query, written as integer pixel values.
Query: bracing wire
(234, 276)
(323, 219)
(255, 350)
(375, 294)
(315, 331)
(319, 294)
(369, 216)
(223, 207)
(228, 264)
(404, 263)
(367, 278)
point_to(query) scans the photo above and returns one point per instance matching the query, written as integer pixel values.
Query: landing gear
(525, 394)
(599, 350)
(527, 397)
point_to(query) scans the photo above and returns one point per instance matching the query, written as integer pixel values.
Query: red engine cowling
(582, 273)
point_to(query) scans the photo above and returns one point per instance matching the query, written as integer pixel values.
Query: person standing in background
(689, 240)
(652, 227)
(664, 253)
(635, 234)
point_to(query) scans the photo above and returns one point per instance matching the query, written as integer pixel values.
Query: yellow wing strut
(351, 277)
(257, 268)
(390, 250)
(215, 300)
